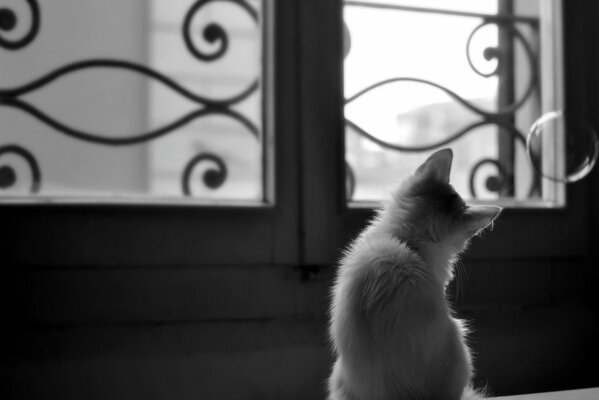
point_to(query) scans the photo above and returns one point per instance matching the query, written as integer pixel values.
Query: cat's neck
(437, 255)
(439, 258)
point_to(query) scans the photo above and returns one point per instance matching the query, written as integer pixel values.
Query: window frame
(96, 234)
(510, 21)
(310, 223)
(331, 224)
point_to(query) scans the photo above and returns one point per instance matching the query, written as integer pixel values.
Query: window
(295, 208)
(166, 103)
(109, 219)
(476, 82)
(170, 102)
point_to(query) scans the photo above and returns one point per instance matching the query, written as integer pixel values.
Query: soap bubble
(576, 136)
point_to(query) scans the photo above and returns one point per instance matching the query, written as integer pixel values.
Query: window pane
(471, 83)
(139, 100)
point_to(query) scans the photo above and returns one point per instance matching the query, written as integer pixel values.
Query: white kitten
(391, 325)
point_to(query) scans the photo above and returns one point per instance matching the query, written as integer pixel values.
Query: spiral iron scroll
(212, 178)
(8, 175)
(9, 20)
(496, 183)
(213, 32)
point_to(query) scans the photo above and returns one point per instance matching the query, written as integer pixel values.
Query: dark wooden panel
(519, 283)
(251, 360)
(136, 295)
(71, 296)
(517, 233)
(535, 350)
(516, 351)
(131, 236)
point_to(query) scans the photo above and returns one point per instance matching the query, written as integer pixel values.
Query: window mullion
(322, 149)
(505, 97)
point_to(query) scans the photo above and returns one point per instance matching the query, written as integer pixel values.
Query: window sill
(133, 201)
(580, 394)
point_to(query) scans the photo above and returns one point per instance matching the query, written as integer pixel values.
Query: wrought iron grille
(14, 38)
(509, 101)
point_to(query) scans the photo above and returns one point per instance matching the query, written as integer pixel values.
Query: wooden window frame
(330, 224)
(310, 223)
(97, 235)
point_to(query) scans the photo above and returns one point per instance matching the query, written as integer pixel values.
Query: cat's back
(378, 282)
(386, 308)
(374, 262)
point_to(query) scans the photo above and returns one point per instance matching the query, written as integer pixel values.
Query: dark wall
(260, 332)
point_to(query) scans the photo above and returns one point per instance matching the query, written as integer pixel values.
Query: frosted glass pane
(470, 83)
(131, 100)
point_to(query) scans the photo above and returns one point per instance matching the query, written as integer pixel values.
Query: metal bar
(505, 96)
(124, 65)
(489, 17)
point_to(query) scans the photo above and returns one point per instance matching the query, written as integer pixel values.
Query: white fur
(391, 325)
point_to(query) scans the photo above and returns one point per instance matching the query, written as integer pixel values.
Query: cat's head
(426, 211)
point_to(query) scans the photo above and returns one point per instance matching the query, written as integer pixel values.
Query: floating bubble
(577, 137)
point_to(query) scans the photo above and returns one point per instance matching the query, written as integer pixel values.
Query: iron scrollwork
(502, 117)
(9, 20)
(213, 32)
(212, 178)
(8, 175)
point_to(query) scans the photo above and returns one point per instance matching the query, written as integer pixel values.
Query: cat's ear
(480, 217)
(437, 167)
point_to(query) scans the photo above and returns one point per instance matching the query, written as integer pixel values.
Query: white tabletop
(579, 394)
